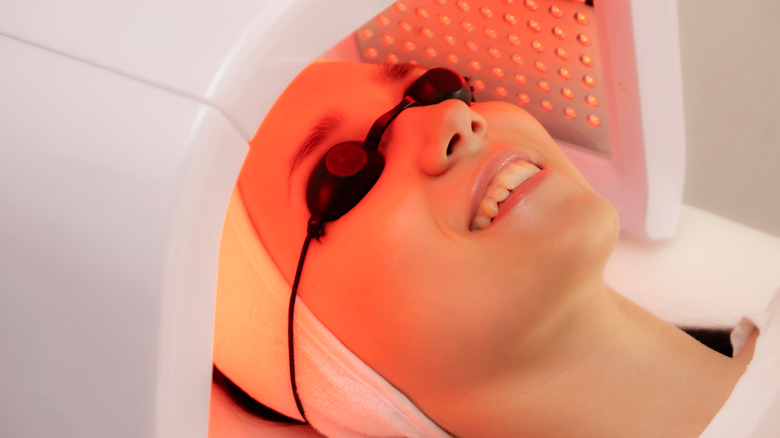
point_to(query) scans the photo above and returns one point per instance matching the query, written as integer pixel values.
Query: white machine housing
(123, 127)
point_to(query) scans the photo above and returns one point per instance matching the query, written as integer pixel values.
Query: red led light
(501, 91)
(478, 85)
(490, 32)
(543, 85)
(498, 72)
(366, 33)
(520, 79)
(467, 25)
(387, 39)
(371, 52)
(475, 65)
(517, 59)
(408, 46)
(591, 100)
(405, 26)
(542, 67)
(463, 6)
(400, 6)
(471, 45)
(567, 93)
(449, 39)
(555, 11)
(594, 120)
(510, 19)
(586, 60)
(452, 58)
(564, 72)
(531, 4)
(539, 47)
(561, 52)
(382, 20)
(546, 105)
(569, 113)
(581, 18)
(486, 12)
(583, 39)
(534, 25)
(523, 99)
(422, 12)
(445, 19)
(430, 52)
(495, 53)
(514, 39)
(589, 80)
(558, 32)
(391, 58)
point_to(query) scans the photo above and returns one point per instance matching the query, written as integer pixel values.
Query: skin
(510, 331)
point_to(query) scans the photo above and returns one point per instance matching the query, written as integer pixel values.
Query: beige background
(731, 83)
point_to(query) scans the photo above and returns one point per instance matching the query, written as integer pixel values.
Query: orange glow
(581, 18)
(534, 25)
(467, 25)
(555, 11)
(517, 59)
(583, 39)
(510, 19)
(546, 105)
(498, 72)
(589, 80)
(495, 53)
(542, 67)
(558, 32)
(370, 52)
(520, 79)
(422, 12)
(594, 120)
(523, 99)
(564, 73)
(591, 100)
(486, 12)
(569, 113)
(463, 6)
(445, 19)
(531, 4)
(543, 85)
(366, 33)
(387, 39)
(471, 45)
(501, 91)
(567, 93)
(561, 52)
(586, 60)
(514, 39)
(400, 6)
(475, 65)
(490, 32)
(405, 26)
(539, 47)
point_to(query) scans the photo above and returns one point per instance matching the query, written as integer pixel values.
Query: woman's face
(404, 279)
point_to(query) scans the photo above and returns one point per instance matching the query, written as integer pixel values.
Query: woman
(481, 321)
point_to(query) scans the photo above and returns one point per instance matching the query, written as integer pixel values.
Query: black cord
(313, 231)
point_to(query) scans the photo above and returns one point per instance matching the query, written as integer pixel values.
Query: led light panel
(542, 55)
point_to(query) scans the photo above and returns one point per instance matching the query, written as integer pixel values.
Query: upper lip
(491, 167)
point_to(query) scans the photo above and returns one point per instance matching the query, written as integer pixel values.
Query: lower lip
(520, 193)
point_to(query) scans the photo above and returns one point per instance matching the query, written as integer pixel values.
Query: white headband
(341, 395)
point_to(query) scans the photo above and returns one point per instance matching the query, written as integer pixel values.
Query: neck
(615, 370)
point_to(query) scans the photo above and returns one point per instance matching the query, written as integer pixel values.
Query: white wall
(731, 75)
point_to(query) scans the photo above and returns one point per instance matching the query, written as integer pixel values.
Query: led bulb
(543, 85)
(486, 12)
(581, 18)
(555, 11)
(589, 80)
(567, 93)
(534, 25)
(531, 4)
(539, 47)
(510, 19)
(523, 99)
(570, 113)
(586, 60)
(591, 100)
(558, 32)
(583, 39)
(561, 52)
(594, 120)
(546, 105)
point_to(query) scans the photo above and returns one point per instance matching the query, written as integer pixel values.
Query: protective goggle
(348, 170)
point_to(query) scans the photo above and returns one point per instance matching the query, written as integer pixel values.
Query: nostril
(455, 138)
(474, 126)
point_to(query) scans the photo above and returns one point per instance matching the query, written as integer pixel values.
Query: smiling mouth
(503, 184)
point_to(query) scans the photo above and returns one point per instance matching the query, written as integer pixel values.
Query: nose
(438, 136)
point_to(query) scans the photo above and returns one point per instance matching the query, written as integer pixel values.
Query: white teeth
(510, 178)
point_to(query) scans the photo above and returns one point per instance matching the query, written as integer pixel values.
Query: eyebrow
(329, 122)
